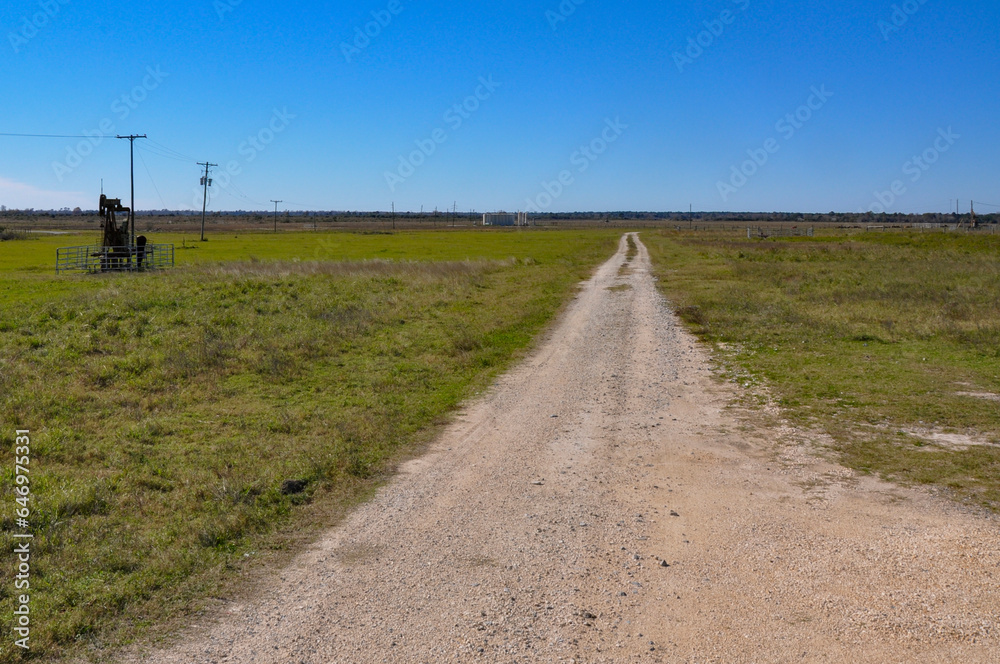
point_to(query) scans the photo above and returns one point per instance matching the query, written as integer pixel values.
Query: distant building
(505, 219)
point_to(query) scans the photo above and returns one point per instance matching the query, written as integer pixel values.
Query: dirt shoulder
(600, 504)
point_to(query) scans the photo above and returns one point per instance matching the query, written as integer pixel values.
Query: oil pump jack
(115, 235)
(117, 254)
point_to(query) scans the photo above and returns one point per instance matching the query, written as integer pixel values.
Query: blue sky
(554, 105)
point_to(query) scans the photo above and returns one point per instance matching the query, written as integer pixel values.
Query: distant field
(888, 342)
(251, 223)
(169, 410)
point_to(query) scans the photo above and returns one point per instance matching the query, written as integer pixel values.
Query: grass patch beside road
(888, 342)
(169, 411)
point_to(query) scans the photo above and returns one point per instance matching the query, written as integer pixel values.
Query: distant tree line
(838, 218)
(846, 218)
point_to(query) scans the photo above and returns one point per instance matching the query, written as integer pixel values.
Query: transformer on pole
(206, 182)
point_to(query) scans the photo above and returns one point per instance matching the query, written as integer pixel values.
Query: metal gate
(114, 259)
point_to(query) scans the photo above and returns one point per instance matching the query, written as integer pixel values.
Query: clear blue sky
(664, 122)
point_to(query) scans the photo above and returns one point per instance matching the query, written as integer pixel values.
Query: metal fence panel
(114, 259)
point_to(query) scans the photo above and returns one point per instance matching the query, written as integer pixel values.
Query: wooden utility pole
(206, 182)
(131, 211)
(276, 214)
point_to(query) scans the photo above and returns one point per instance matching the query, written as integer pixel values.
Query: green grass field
(168, 410)
(885, 342)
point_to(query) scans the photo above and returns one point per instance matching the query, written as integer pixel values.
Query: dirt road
(602, 505)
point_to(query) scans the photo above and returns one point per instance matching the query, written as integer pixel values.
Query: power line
(152, 182)
(165, 155)
(171, 151)
(157, 149)
(239, 193)
(45, 136)
(987, 204)
(237, 196)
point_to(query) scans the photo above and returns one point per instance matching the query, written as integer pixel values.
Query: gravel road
(602, 504)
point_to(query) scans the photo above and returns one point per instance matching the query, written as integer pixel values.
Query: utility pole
(204, 203)
(131, 210)
(276, 214)
(394, 215)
